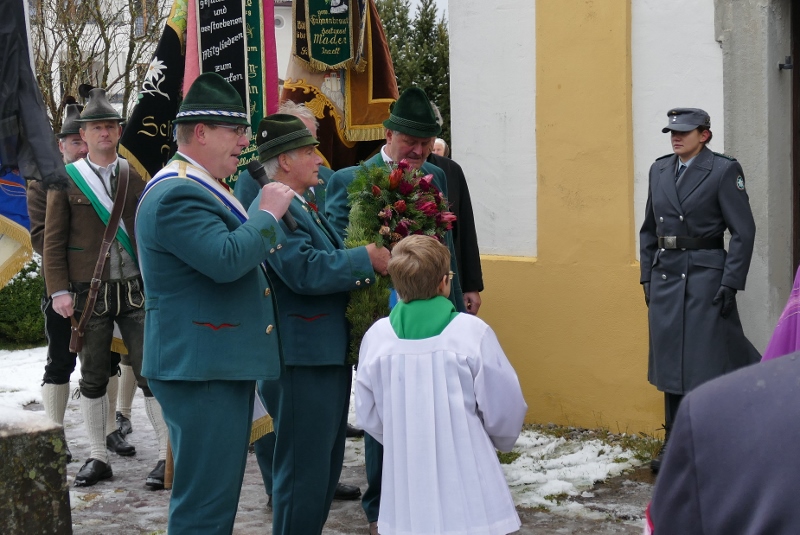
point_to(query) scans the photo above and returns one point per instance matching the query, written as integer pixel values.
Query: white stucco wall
(493, 118)
(676, 62)
(283, 38)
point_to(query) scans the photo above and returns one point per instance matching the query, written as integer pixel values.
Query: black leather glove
(646, 288)
(726, 296)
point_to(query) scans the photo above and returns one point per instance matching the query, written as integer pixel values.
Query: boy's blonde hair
(417, 266)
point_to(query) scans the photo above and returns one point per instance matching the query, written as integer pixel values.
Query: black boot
(124, 424)
(92, 472)
(155, 479)
(116, 443)
(655, 464)
(354, 432)
(346, 492)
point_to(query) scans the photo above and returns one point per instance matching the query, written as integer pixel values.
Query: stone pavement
(124, 506)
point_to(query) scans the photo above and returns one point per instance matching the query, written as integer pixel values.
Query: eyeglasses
(450, 275)
(239, 129)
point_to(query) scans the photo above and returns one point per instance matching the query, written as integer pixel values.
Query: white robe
(440, 406)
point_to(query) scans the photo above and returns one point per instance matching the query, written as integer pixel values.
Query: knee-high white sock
(153, 409)
(111, 393)
(54, 399)
(95, 414)
(127, 389)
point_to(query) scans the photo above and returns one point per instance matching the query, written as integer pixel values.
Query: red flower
(425, 183)
(395, 177)
(400, 206)
(404, 165)
(402, 228)
(376, 190)
(428, 208)
(447, 218)
(405, 188)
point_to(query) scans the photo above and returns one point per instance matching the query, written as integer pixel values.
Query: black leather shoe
(92, 472)
(117, 443)
(354, 432)
(124, 425)
(155, 479)
(655, 464)
(346, 492)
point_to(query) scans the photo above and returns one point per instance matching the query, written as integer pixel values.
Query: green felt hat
(412, 114)
(71, 124)
(211, 99)
(99, 108)
(279, 133)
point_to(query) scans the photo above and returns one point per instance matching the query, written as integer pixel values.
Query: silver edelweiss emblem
(154, 77)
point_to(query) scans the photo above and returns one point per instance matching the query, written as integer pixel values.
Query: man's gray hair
(300, 111)
(272, 165)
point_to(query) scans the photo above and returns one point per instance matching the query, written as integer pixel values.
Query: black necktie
(681, 169)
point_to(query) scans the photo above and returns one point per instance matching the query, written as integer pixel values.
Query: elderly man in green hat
(211, 316)
(311, 280)
(75, 224)
(410, 131)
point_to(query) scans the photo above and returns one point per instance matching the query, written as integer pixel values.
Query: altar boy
(435, 388)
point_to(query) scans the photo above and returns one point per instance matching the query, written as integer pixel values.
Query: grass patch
(11, 345)
(508, 458)
(643, 447)
(557, 498)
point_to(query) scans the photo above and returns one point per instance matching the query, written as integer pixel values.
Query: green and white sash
(92, 186)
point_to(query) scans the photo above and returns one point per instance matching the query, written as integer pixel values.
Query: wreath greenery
(386, 205)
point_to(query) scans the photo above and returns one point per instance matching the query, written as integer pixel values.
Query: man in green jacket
(210, 316)
(312, 278)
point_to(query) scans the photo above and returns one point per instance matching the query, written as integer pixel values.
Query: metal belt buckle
(670, 242)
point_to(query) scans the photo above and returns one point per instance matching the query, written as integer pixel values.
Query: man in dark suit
(689, 280)
(311, 280)
(75, 222)
(731, 464)
(465, 239)
(60, 360)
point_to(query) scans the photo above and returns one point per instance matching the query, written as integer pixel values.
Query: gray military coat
(690, 342)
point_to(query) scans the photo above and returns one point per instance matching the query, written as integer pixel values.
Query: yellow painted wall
(573, 320)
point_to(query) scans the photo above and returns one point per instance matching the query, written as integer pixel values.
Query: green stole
(422, 318)
(104, 214)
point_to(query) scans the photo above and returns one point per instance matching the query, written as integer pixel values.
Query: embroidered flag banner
(262, 73)
(349, 105)
(260, 70)
(15, 237)
(323, 33)
(222, 42)
(147, 141)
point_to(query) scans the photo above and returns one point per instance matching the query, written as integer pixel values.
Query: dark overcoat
(731, 463)
(690, 342)
(465, 239)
